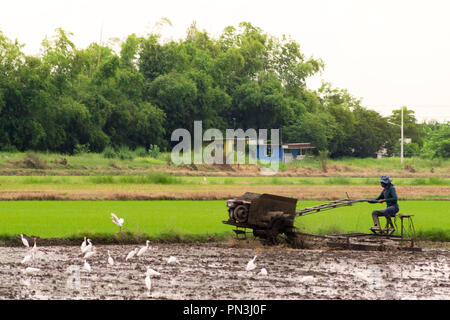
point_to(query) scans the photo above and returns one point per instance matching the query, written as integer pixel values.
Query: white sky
(388, 53)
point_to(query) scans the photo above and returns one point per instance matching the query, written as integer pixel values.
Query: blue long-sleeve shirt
(389, 195)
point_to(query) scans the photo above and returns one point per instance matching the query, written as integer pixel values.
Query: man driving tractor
(389, 196)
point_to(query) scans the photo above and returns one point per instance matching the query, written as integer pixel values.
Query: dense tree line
(67, 99)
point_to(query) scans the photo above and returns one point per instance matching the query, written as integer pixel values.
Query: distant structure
(287, 152)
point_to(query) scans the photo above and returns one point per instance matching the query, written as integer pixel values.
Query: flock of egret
(88, 251)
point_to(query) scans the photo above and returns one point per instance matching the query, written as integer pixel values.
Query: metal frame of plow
(365, 241)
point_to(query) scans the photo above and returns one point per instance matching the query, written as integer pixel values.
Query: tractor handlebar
(331, 205)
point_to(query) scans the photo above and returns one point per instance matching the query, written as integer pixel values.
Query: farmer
(389, 196)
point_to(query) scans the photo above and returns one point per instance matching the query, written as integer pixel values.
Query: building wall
(261, 153)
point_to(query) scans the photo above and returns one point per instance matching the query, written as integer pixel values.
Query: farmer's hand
(381, 200)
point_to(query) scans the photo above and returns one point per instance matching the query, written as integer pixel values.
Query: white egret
(131, 254)
(117, 221)
(88, 247)
(110, 259)
(24, 241)
(172, 259)
(83, 244)
(148, 283)
(86, 266)
(27, 258)
(34, 246)
(151, 272)
(263, 272)
(251, 264)
(90, 253)
(34, 249)
(307, 279)
(143, 249)
(32, 270)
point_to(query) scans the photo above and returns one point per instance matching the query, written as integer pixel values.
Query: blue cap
(385, 179)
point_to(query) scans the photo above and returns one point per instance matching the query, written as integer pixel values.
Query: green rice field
(160, 219)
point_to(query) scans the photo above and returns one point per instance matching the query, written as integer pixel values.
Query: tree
(291, 66)
(371, 134)
(307, 128)
(437, 141)
(59, 54)
(339, 104)
(176, 95)
(23, 97)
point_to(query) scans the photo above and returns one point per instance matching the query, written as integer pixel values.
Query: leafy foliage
(72, 100)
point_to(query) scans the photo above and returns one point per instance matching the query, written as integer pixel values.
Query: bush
(81, 148)
(124, 153)
(9, 148)
(153, 151)
(109, 153)
(140, 152)
(34, 161)
(162, 178)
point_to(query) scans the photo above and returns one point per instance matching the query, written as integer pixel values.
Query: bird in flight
(117, 221)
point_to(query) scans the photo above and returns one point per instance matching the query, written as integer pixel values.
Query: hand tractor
(271, 217)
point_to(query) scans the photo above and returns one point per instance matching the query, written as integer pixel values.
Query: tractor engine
(268, 215)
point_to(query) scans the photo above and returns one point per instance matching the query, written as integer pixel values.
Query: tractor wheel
(240, 213)
(276, 227)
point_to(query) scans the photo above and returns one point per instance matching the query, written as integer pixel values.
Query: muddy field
(218, 271)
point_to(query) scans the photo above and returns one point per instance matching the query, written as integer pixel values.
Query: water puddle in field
(212, 271)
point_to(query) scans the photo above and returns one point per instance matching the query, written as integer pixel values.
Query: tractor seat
(407, 226)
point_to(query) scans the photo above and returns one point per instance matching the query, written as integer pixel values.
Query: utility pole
(401, 135)
(401, 142)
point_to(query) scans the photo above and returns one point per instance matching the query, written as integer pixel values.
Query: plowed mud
(218, 271)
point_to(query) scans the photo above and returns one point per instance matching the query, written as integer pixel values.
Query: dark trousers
(388, 212)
